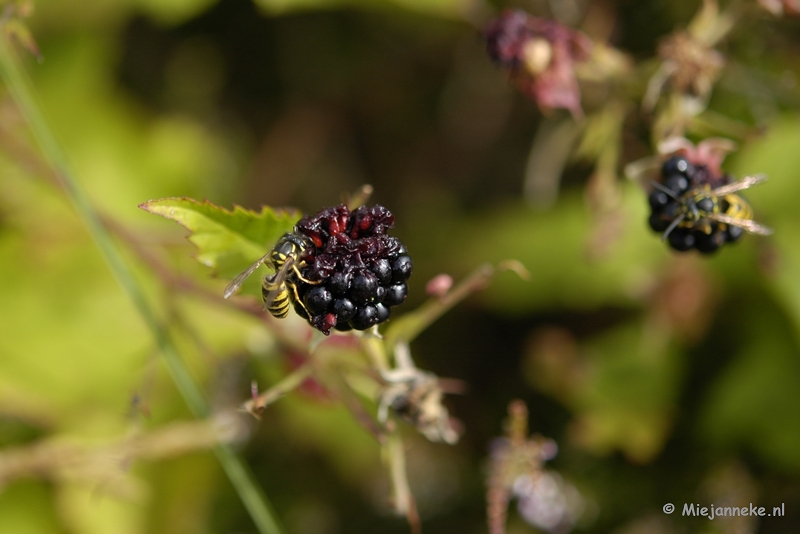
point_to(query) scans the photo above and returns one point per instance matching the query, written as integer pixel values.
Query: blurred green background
(663, 377)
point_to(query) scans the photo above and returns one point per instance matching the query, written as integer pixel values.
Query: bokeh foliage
(659, 375)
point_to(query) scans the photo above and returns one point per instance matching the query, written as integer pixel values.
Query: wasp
(699, 207)
(279, 289)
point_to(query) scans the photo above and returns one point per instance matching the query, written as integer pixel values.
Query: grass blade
(21, 91)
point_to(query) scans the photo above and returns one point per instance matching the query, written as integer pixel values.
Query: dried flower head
(690, 66)
(415, 396)
(693, 66)
(541, 55)
(545, 500)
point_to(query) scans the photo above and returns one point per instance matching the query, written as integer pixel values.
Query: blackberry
(395, 295)
(355, 274)
(697, 206)
(708, 243)
(678, 184)
(366, 317)
(383, 271)
(383, 312)
(677, 165)
(733, 233)
(401, 268)
(365, 287)
(658, 200)
(681, 195)
(658, 222)
(344, 309)
(681, 239)
(339, 283)
(318, 299)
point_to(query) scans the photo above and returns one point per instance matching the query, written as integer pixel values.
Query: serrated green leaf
(228, 240)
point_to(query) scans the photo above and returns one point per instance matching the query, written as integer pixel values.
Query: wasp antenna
(672, 226)
(666, 190)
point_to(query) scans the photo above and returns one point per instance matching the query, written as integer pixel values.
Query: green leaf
(622, 391)
(228, 240)
(753, 403)
(553, 247)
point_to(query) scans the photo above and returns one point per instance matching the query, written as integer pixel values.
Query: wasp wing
(745, 183)
(237, 282)
(745, 224)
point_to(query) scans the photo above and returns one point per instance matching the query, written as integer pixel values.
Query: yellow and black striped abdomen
(737, 207)
(279, 293)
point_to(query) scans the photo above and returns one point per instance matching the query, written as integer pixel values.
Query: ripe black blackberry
(679, 176)
(358, 273)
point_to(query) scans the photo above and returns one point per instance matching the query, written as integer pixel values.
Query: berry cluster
(357, 271)
(679, 176)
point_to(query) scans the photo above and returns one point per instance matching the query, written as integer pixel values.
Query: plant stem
(20, 88)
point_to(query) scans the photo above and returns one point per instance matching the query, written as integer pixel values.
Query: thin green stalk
(21, 90)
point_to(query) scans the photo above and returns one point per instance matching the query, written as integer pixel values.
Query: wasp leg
(300, 276)
(298, 299)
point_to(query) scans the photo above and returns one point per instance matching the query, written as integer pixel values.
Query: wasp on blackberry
(279, 290)
(699, 207)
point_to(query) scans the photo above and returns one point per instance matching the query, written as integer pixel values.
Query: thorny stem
(20, 88)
